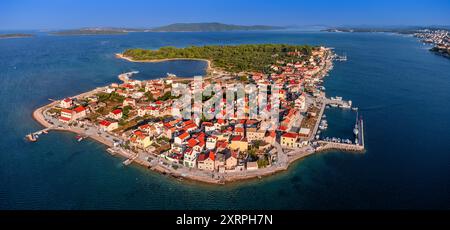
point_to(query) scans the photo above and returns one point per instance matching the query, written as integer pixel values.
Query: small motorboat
(79, 138)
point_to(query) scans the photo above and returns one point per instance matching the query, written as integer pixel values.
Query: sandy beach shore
(208, 62)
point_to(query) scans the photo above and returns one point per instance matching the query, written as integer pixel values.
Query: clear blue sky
(59, 14)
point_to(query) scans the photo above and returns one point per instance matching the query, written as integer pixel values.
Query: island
(94, 31)
(211, 27)
(139, 120)
(176, 27)
(6, 36)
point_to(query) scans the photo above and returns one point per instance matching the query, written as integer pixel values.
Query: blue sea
(401, 89)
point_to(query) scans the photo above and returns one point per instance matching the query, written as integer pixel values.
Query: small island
(211, 27)
(136, 119)
(93, 31)
(6, 36)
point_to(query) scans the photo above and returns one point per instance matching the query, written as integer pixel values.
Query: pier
(130, 160)
(34, 136)
(328, 145)
(125, 77)
(111, 151)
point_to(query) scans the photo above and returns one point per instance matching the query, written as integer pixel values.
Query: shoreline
(209, 68)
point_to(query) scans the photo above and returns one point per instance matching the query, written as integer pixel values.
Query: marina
(323, 142)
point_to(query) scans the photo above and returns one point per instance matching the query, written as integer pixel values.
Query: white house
(181, 138)
(190, 158)
(129, 102)
(116, 114)
(66, 103)
(211, 142)
(109, 125)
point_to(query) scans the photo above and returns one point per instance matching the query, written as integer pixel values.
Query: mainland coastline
(286, 155)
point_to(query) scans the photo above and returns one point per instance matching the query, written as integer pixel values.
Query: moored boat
(79, 138)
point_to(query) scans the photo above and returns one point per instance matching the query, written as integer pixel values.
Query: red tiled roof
(236, 138)
(212, 156)
(117, 111)
(239, 129)
(66, 111)
(64, 118)
(290, 135)
(272, 134)
(141, 137)
(183, 136)
(207, 124)
(188, 122)
(105, 123)
(138, 133)
(192, 142)
(79, 109)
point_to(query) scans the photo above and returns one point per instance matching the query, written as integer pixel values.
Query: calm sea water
(402, 91)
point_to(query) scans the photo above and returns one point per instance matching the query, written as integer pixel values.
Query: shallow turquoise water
(402, 91)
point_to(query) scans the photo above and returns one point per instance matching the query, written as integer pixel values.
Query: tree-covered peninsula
(229, 58)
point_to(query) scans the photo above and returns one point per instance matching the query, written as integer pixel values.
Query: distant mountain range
(177, 27)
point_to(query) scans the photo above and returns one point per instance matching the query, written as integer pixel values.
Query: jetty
(329, 145)
(125, 77)
(33, 137)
